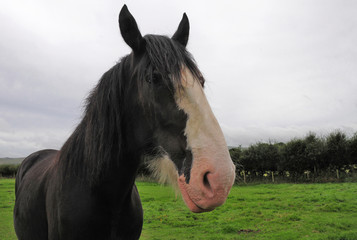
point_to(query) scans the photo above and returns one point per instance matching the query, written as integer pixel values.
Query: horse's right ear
(129, 30)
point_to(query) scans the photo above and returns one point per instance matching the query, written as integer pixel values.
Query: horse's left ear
(129, 30)
(182, 32)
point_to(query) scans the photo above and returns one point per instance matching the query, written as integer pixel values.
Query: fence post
(338, 176)
(244, 177)
(272, 176)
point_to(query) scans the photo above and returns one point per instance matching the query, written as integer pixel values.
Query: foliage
(260, 157)
(307, 159)
(336, 149)
(314, 153)
(8, 170)
(352, 149)
(265, 211)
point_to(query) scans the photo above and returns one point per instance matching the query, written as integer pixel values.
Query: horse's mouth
(190, 203)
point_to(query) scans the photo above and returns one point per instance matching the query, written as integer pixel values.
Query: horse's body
(150, 105)
(69, 208)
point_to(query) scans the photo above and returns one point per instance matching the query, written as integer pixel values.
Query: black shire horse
(150, 105)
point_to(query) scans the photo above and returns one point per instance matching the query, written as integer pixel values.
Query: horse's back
(30, 161)
(30, 189)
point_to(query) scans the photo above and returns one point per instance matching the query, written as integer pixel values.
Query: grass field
(7, 200)
(266, 211)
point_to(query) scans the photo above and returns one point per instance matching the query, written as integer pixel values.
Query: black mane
(97, 142)
(97, 138)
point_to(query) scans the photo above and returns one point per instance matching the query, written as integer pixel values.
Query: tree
(260, 157)
(294, 157)
(352, 149)
(336, 144)
(314, 152)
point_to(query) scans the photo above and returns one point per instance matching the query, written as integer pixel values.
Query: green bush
(352, 149)
(8, 170)
(312, 158)
(336, 149)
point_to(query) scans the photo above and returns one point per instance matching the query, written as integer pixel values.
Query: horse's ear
(182, 32)
(129, 30)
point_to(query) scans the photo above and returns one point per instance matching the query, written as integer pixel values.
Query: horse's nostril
(208, 189)
(206, 182)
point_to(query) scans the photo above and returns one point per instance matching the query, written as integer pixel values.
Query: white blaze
(212, 171)
(202, 129)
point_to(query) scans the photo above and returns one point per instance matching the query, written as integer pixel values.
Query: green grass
(7, 201)
(266, 211)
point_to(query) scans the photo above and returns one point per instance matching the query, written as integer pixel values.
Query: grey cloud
(274, 70)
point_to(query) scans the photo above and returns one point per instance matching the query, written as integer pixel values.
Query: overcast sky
(275, 69)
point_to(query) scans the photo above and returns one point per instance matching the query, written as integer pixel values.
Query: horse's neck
(95, 157)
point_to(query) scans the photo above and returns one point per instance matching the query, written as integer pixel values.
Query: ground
(264, 211)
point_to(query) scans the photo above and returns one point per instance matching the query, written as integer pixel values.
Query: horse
(150, 106)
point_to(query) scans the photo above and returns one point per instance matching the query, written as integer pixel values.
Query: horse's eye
(156, 78)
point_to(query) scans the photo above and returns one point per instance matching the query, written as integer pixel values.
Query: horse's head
(181, 131)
